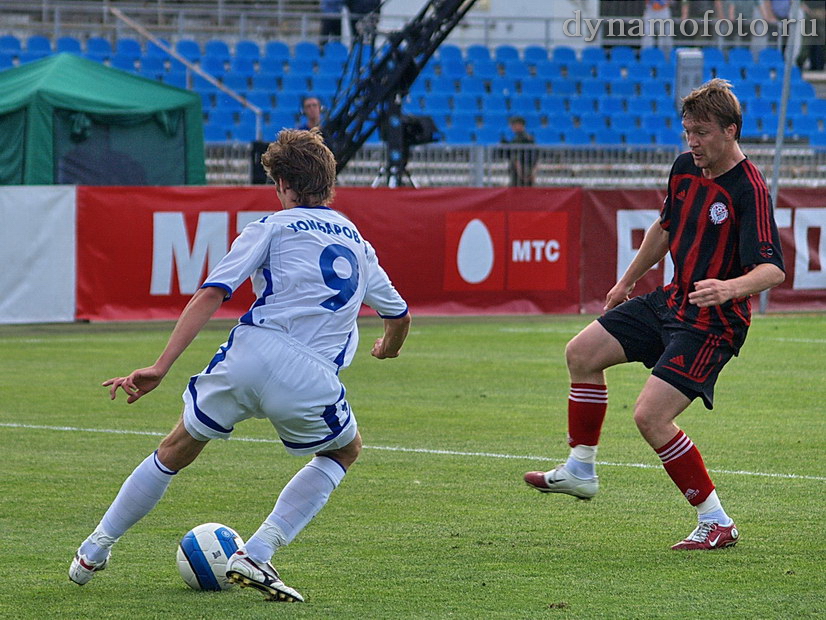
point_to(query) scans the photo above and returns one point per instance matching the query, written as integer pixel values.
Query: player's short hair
(714, 101)
(300, 158)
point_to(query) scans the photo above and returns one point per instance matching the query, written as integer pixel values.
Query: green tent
(68, 120)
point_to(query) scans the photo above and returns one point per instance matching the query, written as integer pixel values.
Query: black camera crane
(376, 80)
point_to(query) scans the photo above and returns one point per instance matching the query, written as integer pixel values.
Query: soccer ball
(203, 555)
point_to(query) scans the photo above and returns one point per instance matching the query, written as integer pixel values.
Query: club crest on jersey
(718, 213)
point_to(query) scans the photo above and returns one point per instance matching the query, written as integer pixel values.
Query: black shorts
(686, 358)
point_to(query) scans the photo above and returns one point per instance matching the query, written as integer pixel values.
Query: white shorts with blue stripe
(263, 373)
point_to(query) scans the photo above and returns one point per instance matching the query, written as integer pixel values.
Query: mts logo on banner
(506, 250)
(172, 250)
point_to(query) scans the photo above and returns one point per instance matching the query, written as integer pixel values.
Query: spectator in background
(362, 8)
(813, 48)
(742, 12)
(656, 35)
(331, 20)
(775, 11)
(698, 11)
(522, 159)
(311, 111)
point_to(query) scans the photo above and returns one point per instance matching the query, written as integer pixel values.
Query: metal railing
(441, 165)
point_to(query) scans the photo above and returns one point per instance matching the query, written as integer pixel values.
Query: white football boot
(83, 569)
(248, 573)
(560, 480)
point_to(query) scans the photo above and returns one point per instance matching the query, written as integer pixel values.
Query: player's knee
(577, 356)
(177, 450)
(347, 455)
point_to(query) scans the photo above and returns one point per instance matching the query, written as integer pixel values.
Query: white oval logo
(474, 256)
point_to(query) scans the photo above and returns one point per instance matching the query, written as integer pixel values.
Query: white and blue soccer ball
(203, 555)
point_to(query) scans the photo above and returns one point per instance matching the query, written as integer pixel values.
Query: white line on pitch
(493, 455)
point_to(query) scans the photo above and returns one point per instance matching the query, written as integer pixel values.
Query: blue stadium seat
(654, 87)
(771, 90)
(503, 85)
(189, 49)
(495, 103)
(152, 65)
(447, 51)
(303, 65)
(477, 52)
(214, 65)
(624, 121)
(623, 55)
(506, 53)
(758, 107)
(800, 126)
(215, 133)
(553, 104)
(247, 49)
(592, 121)
(98, 48)
(236, 82)
(152, 49)
(580, 71)
(611, 105)
(464, 118)
(221, 117)
(485, 69)
(471, 85)
(226, 102)
(335, 49)
(453, 69)
(270, 64)
(713, 58)
(769, 123)
(560, 122)
(534, 87)
(740, 57)
(295, 82)
(437, 103)
(652, 56)
(802, 91)
(307, 49)
(549, 70)
(488, 135)
(666, 72)
(280, 119)
(516, 69)
(639, 138)
(330, 65)
(593, 88)
(458, 134)
(817, 108)
(497, 119)
(640, 107)
(217, 48)
(548, 135)
(610, 71)
(325, 85)
(563, 87)
(38, 44)
(174, 78)
(69, 45)
(123, 62)
(277, 49)
(654, 123)
(264, 80)
(577, 137)
(593, 55)
(523, 104)
(817, 140)
(751, 127)
(770, 56)
(466, 101)
(129, 48)
(669, 137)
(262, 98)
(242, 66)
(564, 54)
(242, 133)
(6, 61)
(623, 88)
(534, 54)
(608, 137)
(10, 44)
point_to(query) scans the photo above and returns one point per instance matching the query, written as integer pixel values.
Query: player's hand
(378, 350)
(708, 293)
(617, 295)
(138, 383)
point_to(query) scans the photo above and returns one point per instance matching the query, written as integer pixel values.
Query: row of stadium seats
(547, 92)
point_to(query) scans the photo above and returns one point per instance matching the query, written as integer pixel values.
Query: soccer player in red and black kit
(717, 223)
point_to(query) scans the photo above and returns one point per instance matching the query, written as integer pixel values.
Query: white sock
(138, 495)
(297, 504)
(712, 510)
(582, 461)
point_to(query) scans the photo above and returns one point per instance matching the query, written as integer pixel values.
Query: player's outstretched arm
(193, 318)
(395, 333)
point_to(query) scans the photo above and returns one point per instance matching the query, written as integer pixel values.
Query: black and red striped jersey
(718, 228)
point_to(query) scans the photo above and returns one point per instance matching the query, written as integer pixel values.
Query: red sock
(683, 462)
(587, 404)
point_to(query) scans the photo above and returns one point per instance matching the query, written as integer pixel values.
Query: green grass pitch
(434, 520)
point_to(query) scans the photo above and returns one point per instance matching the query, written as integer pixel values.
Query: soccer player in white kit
(311, 271)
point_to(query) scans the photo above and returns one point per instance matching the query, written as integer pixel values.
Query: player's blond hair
(714, 101)
(301, 159)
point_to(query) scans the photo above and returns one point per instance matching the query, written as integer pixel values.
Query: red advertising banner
(142, 252)
(614, 222)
